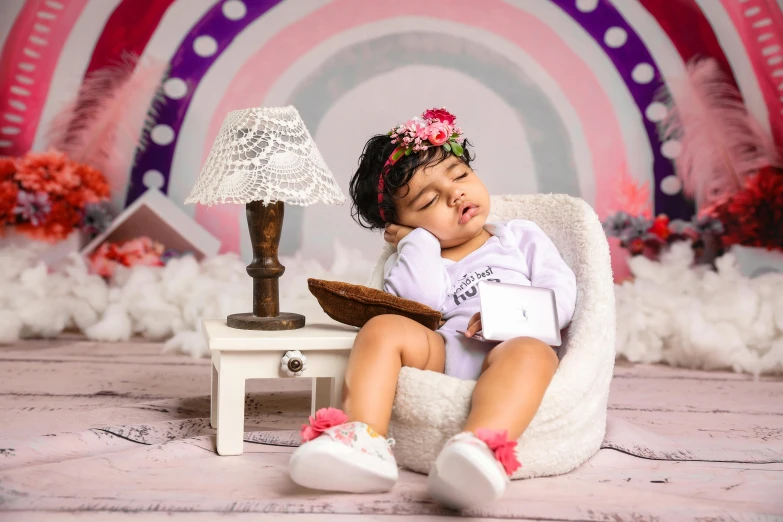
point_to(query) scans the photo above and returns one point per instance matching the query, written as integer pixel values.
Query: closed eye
(465, 175)
(430, 203)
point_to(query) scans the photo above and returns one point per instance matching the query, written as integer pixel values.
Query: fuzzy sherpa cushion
(356, 304)
(570, 424)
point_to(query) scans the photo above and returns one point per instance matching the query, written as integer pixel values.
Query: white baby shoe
(472, 470)
(343, 456)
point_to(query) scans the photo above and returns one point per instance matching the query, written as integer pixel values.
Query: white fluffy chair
(569, 427)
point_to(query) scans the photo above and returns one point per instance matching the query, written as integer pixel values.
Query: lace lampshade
(265, 154)
(264, 158)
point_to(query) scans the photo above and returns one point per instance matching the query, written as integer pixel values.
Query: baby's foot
(472, 470)
(342, 456)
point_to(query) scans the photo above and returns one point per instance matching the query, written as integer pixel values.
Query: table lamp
(264, 157)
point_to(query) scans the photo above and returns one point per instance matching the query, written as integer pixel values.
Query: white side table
(238, 355)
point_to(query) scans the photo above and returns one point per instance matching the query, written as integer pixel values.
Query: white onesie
(518, 252)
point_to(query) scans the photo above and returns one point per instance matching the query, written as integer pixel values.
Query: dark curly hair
(364, 183)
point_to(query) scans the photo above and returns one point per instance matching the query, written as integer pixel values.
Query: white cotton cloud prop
(671, 312)
(699, 318)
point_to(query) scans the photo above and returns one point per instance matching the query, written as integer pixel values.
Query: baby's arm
(547, 268)
(416, 270)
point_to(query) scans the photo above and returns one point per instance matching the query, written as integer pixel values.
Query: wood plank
(268, 410)
(623, 369)
(697, 396)
(610, 485)
(147, 516)
(734, 426)
(55, 386)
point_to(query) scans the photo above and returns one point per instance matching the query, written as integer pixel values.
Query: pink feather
(720, 142)
(631, 196)
(104, 126)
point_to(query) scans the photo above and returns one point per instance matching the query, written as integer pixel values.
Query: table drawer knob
(293, 363)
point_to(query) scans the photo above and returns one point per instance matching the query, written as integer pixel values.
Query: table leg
(337, 390)
(231, 411)
(322, 394)
(213, 397)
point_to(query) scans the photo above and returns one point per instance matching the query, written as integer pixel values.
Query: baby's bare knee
(383, 324)
(524, 350)
(416, 345)
(382, 332)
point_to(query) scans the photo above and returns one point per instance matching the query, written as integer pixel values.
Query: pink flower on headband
(439, 133)
(440, 115)
(435, 128)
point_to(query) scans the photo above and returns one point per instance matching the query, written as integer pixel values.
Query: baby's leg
(515, 375)
(353, 454)
(383, 346)
(468, 472)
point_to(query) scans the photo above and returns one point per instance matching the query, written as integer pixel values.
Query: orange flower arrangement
(46, 195)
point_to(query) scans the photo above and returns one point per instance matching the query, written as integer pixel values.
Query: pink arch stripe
(542, 43)
(760, 25)
(29, 57)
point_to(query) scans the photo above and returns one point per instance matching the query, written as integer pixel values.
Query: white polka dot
(671, 185)
(671, 149)
(152, 179)
(586, 5)
(234, 10)
(162, 134)
(175, 88)
(643, 73)
(205, 46)
(656, 111)
(615, 37)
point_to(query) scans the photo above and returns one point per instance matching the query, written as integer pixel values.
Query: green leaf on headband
(397, 154)
(408, 152)
(447, 146)
(456, 148)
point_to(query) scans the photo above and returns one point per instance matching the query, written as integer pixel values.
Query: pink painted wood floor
(120, 431)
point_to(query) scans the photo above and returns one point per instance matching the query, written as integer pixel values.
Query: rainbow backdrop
(557, 95)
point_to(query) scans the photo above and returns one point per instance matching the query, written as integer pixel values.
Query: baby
(416, 184)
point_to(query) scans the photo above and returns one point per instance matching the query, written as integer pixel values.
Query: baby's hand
(474, 325)
(394, 233)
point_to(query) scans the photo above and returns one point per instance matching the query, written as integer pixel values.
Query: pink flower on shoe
(324, 419)
(498, 442)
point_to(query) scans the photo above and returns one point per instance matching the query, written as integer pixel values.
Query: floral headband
(435, 128)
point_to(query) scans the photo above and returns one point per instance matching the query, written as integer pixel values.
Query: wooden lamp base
(249, 321)
(265, 223)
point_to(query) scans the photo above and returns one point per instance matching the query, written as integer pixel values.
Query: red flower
(636, 246)
(41, 172)
(60, 222)
(8, 195)
(439, 114)
(660, 227)
(7, 168)
(324, 419)
(504, 449)
(754, 216)
(140, 251)
(67, 185)
(93, 183)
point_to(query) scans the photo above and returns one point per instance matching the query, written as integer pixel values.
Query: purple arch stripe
(625, 58)
(190, 67)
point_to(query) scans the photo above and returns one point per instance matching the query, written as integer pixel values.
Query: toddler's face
(448, 200)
